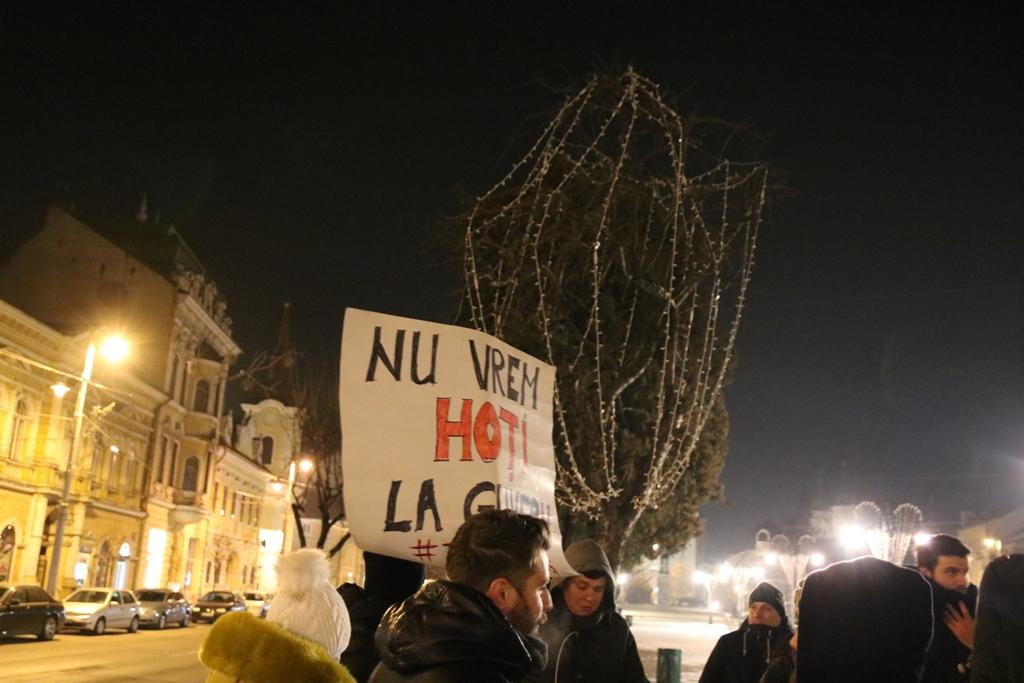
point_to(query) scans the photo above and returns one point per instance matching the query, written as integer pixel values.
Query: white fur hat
(307, 604)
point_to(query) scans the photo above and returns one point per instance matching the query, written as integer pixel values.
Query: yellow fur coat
(243, 649)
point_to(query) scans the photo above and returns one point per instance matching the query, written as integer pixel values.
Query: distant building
(153, 476)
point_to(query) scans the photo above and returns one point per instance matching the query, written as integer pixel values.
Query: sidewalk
(676, 628)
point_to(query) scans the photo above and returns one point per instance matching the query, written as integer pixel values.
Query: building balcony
(200, 425)
(189, 498)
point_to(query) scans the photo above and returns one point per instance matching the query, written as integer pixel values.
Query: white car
(256, 603)
(97, 609)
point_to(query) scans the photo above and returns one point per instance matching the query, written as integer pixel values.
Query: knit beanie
(307, 604)
(390, 579)
(766, 592)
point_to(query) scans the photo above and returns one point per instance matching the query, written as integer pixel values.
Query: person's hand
(961, 623)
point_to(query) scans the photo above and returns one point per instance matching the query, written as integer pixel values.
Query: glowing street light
(922, 538)
(60, 389)
(115, 349)
(305, 465)
(852, 537)
(817, 559)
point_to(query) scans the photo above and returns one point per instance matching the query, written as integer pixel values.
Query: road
(168, 656)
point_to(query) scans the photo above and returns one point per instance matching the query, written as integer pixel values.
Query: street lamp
(113, 349)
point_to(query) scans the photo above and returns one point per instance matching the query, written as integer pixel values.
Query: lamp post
(114, 348)
(291, 519)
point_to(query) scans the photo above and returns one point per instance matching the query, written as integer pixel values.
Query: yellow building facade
(154, 481)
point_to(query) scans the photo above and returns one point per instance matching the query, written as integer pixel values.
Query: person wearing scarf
(743, 655)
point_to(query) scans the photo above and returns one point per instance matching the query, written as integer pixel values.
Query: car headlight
(221, 610)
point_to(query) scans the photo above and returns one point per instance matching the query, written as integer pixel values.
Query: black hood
(446, 623)
(864, 620)
(998, 655)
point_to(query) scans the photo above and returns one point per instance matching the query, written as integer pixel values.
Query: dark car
(162, 606)
(29, 610)
(215, 604)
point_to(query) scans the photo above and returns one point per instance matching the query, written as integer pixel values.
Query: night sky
(306, 156)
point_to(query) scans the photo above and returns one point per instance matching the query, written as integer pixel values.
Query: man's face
(583, 596)
(534, 598)
(950, 572)
(763, 613)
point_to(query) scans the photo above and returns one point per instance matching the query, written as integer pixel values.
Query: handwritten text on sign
(439, 422)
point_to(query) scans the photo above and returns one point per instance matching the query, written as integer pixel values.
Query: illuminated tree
(619, 249)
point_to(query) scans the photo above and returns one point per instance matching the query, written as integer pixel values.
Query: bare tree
(321, 489)
(619, 248)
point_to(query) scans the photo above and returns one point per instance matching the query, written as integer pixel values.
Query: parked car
(29, 610)
(97, 609)
(162, 606)
(257, 604)
(216, 603)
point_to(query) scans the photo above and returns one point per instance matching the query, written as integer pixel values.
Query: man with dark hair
(743, 655)
(475, 626)
(943, 560)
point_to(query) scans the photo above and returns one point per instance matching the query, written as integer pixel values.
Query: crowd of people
(498, 617)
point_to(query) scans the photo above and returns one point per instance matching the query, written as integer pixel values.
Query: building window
(155, 557)
(173, 474)
(114, 474)
(190, 480)
(121, 569)
(19, 429)
(206, 472)
(201, 402)
(173, 379)
(98, 453)
(7, 538)
(162, 458)
(102, 566)
(267, 450)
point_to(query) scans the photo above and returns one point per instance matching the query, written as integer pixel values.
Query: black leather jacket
(448, 633)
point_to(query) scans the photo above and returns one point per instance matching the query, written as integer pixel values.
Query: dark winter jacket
(743, 655)
(864, 620)
(364, 613)
(782, 668)
(598, 648)
(388, 581)
(948, 658)
(449, 633)
(999, 633)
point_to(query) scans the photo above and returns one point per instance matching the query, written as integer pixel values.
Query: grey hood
(586, 556)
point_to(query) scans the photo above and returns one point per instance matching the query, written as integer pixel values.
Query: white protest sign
(439, 422)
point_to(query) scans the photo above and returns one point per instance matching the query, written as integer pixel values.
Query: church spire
(284, 368)
(284, 330)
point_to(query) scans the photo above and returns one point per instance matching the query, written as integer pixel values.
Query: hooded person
(588, 640)
(864, 620)
(388, 581)
(301, 639)
(999, 634)
(742, 656)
